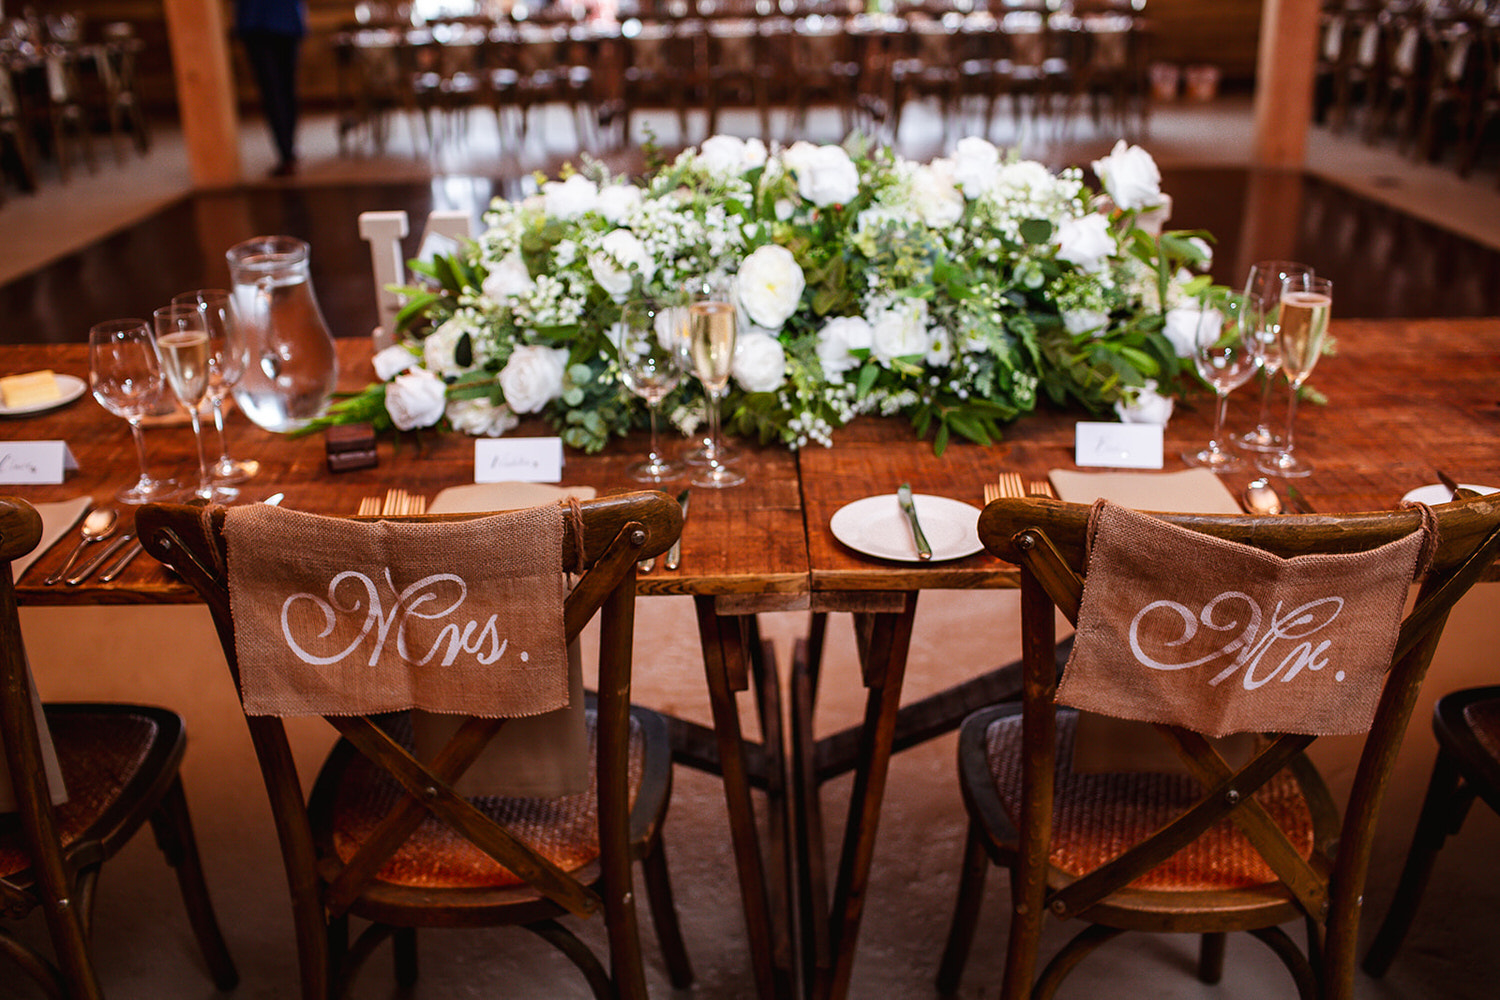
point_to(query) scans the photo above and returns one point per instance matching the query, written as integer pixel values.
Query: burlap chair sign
(329, 620)
(1185, 629)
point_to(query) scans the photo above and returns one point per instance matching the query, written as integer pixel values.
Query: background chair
(119, 764)
(1132, 850)
(359, 847)
(1467, 726)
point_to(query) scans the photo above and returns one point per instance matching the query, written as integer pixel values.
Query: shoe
(285, 168)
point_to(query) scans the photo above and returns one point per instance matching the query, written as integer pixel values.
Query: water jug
(292, 367)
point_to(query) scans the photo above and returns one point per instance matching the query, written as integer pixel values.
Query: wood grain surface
(1405, 397)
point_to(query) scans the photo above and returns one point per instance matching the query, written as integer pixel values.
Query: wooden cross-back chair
(1287, 855)
(119, 765)
(545, 857)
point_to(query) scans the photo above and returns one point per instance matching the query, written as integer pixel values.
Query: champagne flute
(182, 346)
(227, 356)
(1262, 294)
(649, 368)
(1302, 323)
(1225, 356)
(712, 318)
(126, 378)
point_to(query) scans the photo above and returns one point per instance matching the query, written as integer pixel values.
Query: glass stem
(654, 458)
(140, 447)
(1220, 411)
(218, 404)
(713, 429)
(203, 482)
(1263, 422)
(1291, 418)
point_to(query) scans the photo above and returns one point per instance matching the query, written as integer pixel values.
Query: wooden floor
(1374, 224)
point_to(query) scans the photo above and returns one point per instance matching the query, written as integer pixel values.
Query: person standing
(272, 32)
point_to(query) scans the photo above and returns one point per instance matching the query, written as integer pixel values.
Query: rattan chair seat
(99, 753)
(563, 830)
(1483, 718)
(1098, 816)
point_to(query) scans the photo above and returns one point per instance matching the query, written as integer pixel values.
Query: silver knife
(903, 497)
(119, 567)
(99, 560)
(674, 554)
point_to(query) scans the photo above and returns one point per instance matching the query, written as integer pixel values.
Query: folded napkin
(477, 498)
(1191, 491)
(57, 520)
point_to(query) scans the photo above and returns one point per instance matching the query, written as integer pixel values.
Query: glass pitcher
(292, 367)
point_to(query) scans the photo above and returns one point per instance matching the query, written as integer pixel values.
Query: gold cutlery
(396, 503)
(1041, 488)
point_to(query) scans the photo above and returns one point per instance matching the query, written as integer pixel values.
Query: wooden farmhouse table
(1405, 397)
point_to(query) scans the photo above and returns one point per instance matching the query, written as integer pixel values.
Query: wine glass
(1225, 356)
(126, 378)
(712, 318)
(227, 355)
(182, 347)
(1302, 323)
(1262, 294)
(649, 368)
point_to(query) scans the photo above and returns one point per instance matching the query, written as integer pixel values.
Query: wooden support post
(1284, 81)
(205, 90)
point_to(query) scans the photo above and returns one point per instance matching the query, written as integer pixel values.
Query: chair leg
(1291, 956)
(174, 833)
(1443, 810)
(1211, 958)
(976, 866)
(404, 951)
(664, 915)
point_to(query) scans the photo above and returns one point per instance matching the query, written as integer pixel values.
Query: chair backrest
(1048, 540)
(23, 755)
(601, 545)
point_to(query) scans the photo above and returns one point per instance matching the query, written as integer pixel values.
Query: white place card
(1118, 446)
(520, 460)
(35, 461)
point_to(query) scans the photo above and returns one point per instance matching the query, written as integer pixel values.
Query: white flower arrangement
(954, 292)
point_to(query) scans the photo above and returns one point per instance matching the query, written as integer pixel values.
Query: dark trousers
(273, 57)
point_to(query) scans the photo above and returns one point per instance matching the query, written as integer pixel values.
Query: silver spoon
(99, 525)
(1261, 498)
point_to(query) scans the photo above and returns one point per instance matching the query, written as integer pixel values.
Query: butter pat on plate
(35, 392)
(31, 389)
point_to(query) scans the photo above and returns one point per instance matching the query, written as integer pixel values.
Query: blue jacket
(282, 17)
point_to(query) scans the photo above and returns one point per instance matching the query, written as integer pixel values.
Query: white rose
(936, 200)
(755, 153)
(570, 198)
(1026, 175)
(825, 174)
(1077, 321)
(508, 279)
(393, 361)
(837, 339)
(611, 266)
(1182, 324)
(759, 362)
(1130, 176)
(480, 417)
(618, 201)
(1085, 242)
(415, 399)
(438, 348)
(900, 331)
(770, 286)
(1145, 406)
(976, 165)
(533, 377)
(722, 155)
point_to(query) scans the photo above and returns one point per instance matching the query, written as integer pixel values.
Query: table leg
(727, 665)
(884, 640)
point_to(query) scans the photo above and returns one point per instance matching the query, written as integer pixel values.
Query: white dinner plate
(876, 527)
(1438, 493)
(71, 388)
